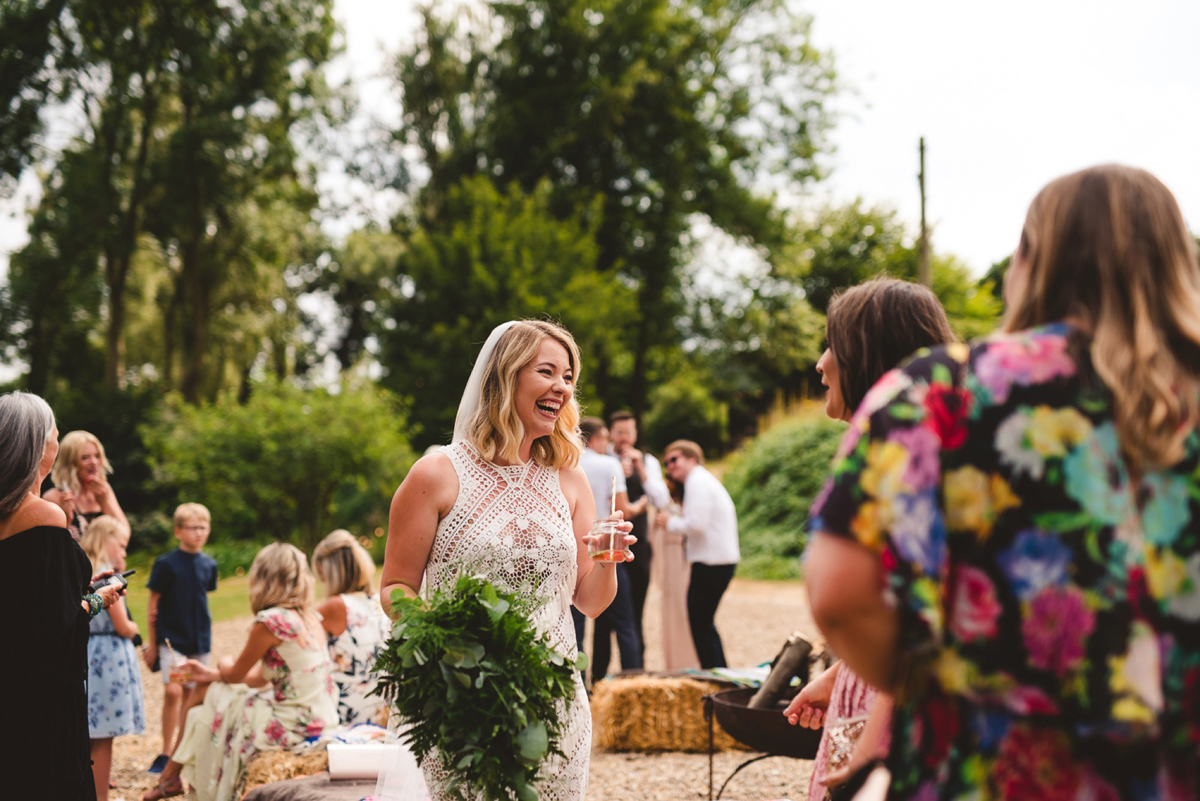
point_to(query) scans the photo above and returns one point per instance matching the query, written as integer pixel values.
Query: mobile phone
(115, 578)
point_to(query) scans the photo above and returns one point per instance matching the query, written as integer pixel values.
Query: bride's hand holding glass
(610, 539)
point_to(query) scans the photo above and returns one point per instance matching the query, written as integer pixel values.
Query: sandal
(164, 791)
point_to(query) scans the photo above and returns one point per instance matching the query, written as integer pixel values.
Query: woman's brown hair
(874, 326)
(1107, 248)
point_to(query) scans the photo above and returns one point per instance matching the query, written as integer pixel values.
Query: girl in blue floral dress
(276, 695)
(115, 704)
(1010, 541)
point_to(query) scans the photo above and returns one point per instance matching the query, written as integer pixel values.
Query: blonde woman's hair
(495, 428)
(65, 473)
(342, 565)
(96, 536)
(280, 578)
(186, 512)
(1108, 247)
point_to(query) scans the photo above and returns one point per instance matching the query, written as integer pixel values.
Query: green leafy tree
(847, 245)
(683, 407)
(843, 246)
(35, 62)
(186, 156)
(277, 463)
(50, 311)
(492, 257)
(663, 110)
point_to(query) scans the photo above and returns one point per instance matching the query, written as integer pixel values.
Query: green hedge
(773, 481)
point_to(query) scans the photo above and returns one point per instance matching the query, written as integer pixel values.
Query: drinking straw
(613, 510)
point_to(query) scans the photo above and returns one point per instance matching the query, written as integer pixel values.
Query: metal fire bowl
(763, 729)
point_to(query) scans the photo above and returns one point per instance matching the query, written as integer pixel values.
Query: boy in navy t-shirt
(179, 622)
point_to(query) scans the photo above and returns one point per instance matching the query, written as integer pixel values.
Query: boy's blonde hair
(342, 565)
(65, 473)
(96, 536)
(495, 428)
(280, 578)
(191, 511)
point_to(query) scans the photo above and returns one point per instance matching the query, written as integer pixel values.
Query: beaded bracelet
(95, 604)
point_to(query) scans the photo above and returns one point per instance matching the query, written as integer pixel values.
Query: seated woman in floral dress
(355, 623)
(273, 697)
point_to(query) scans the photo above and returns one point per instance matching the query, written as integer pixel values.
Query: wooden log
(792, 662)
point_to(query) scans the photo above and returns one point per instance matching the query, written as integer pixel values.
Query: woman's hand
(100, 489)
(66, 501)
(110, 594)
(808, 708)
(201, 672)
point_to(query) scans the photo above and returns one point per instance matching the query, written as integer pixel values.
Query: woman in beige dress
(670, 573)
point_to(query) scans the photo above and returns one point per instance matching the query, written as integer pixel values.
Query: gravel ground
(755, 619)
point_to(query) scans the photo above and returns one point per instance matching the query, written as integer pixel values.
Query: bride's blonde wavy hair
(1108, 247)
(495, 428)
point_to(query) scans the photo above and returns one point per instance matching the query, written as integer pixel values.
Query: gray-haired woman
(46, 574)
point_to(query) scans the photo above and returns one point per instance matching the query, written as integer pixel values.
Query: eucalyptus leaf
(534, 741)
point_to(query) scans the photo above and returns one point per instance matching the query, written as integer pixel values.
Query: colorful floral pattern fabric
(236, 721)
(353, 654)
(1049, 601)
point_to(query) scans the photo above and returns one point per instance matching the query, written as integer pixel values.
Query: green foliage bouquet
(467, 670)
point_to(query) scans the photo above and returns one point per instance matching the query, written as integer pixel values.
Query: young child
(115, 703)
(179, 623)
(285, 649)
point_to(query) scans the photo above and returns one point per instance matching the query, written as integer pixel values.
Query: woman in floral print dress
(276, 695)
(356, 626)
(1030, 507)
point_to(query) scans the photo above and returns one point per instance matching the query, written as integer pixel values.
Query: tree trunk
(119, 262)
(196, 289)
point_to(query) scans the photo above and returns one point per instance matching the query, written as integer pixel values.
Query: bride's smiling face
(544, 386)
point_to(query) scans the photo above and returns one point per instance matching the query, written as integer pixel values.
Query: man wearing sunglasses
(709, 527)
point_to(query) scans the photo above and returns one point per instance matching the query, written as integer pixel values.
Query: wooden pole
(924, 268)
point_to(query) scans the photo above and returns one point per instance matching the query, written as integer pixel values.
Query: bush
(773, 482)
(287, 461)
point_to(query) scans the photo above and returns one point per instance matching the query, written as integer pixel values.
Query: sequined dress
(513, 524)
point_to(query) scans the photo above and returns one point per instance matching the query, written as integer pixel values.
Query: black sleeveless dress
(44, 745)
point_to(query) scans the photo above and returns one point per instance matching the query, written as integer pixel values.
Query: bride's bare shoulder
(432, 476)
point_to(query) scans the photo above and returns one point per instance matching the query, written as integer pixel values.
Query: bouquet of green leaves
(467, 670)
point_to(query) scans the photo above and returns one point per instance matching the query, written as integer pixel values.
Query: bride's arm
(424, 497)
(596, 582)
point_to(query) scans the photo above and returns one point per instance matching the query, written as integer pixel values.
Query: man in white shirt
(709, 527)
(643, 480)
(607, 480)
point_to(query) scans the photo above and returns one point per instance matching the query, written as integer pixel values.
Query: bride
(508, 498)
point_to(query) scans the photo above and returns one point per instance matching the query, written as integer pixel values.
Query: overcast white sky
(1007, 95)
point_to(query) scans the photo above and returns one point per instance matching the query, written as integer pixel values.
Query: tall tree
(494, 256)
(35, 66)
(661, 109)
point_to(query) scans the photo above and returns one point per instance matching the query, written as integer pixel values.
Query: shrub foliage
(773, 482)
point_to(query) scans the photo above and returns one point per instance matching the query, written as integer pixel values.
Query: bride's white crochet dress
(513, 525)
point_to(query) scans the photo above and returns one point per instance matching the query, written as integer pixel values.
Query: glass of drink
(607, 543)
(179, 672)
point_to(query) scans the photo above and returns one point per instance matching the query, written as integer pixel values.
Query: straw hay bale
(274, 766)
(655, 713)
